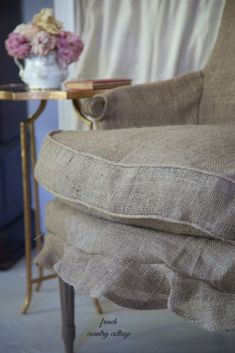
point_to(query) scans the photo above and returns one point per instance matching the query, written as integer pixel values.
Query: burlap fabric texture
(146, 215)
(140, 268)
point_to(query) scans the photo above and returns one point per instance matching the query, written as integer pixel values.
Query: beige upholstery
(201, 97)
(146, 215)
(141, 268)
(172, 178)
(170, 102)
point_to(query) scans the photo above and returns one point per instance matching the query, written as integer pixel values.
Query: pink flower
(69, 46)
(43, 43)
(17, 46)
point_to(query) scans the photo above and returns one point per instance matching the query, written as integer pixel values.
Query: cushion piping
(49, 136)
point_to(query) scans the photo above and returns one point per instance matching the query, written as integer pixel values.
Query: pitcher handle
(21, 68)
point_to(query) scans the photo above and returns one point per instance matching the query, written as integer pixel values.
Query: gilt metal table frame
(28, 158)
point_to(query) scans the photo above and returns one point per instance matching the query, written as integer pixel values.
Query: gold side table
(19, 92)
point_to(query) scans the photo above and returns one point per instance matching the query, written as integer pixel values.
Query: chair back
(218, 95)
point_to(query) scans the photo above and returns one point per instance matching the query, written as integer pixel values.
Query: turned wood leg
(67, 312)
(98, 306)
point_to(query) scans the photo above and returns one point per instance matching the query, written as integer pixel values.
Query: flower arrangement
(44, 34)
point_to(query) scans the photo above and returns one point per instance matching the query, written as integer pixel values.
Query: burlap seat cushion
(142, 268)
(177, 179)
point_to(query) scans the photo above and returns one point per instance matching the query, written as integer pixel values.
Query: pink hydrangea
(17, 46)
(43, 43)
(69, 46)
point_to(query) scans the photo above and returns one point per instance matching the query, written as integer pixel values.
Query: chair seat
(177, 179)
(141, 268)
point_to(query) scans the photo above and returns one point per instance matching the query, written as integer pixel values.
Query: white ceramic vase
(42, 72)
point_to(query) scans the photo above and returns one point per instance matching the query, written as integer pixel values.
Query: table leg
(27, 157)
(86, 120)
(93, 122)
(27, 199)
(27, 216)
(36, 202)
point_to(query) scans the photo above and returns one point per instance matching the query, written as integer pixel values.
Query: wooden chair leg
(67, 312)
(98, 306)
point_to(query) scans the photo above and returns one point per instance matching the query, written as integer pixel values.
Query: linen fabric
(147, 41)
(170, 102)
(141, 268)
(165, 194)
(204, 97)
(218, 99)
(177, 179)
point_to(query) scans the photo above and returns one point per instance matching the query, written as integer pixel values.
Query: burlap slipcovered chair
(144, 208)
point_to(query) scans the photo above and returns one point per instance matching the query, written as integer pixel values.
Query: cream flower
(28, 30)
(46, 21)
(43, 43)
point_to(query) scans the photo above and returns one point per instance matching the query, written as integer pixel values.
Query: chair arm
(169, 102)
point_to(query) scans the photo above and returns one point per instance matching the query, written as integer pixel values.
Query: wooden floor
(150, 332)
